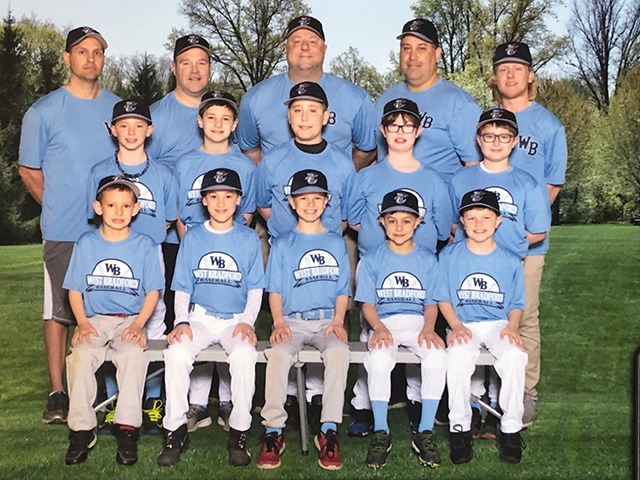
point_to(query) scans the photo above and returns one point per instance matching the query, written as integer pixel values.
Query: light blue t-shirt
(449, 117)
(397, 284)
(480, 287)
(158, 194)
(263, 115)
(65, 136)
(114, 277)
(190, 170)
(274, 176)
(309, 271)
(375, 181)
(541, 152)
(522, 203)
(217, 270)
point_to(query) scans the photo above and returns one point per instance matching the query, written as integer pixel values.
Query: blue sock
(493, 404)
(110, 383)
(153, 386)
(269, 430)
(429, 408)
(326, 426)
(475, 405)
(380, 409)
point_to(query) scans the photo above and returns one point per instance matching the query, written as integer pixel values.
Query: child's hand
(459, 334)
(280, 334)
(381, 338)
(83, 334)
(246, 331)
(512, 334)
(176, 333)
(430, 339)
(338, 329)
(134, 334)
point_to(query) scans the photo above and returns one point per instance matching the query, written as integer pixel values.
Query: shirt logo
(401, 287)
(194, 197)
(480, 289)
(113, 275)
(217, 268)
(508, 209)
(148, 205)
(316, 266)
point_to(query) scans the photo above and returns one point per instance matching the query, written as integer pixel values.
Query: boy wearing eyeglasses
(525, 219)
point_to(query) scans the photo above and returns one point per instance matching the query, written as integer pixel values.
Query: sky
(131, 26)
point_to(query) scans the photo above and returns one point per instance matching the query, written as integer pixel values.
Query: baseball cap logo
(400, 103)
(302, 88)
(477, 196)
(511, 49)
(217, 94)
(193, 39)
(220, 177)
(130, 106)
(496, 114)
(400, 198)
(305, 21)
(311, 178)
(415, 25)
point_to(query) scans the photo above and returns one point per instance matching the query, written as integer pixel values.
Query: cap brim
(204, 105)
(497, 120)
(416, 34)
(305, 97)
(131, 115)
(477, 205)
(310, 189)
(399, 208)
(220, 187)
(305, 27)
(98, 37)
(402, 110)
(202, 47)
(134, 188)
(513, 60)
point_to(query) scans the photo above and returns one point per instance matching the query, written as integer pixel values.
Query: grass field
(590, 329)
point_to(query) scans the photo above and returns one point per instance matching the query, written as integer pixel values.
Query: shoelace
(242, 440)
(270, 442)
(378, 443)
(108, 418)
(331, 444)
(155, 412)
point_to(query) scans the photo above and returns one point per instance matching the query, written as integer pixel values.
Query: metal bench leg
(302, 406)
(101, 406)
(485, 406)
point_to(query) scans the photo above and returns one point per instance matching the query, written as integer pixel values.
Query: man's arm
(33, 179)
(362, 159)
(554, 190)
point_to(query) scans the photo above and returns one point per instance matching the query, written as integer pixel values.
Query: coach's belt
(211, 313)
(317, 314)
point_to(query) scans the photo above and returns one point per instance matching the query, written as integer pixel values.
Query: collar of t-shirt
(316, 148)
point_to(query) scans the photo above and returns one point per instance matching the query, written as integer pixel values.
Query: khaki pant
(530, 324)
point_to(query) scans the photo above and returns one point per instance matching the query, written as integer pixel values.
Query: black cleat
(461, 445)
(379, 449)
(239, 455)
(80, 443)
(424, 445)
(175, 442)
(127, 452)
(57, 408)
(510, 447)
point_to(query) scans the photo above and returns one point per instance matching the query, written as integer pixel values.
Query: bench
(308, 354)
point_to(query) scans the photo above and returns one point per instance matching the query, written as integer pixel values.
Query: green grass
(590, 330)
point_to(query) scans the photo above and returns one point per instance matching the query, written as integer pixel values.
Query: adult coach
(263, 115)
(542, 152)
(448, 114)
(176, 129)
(63, 136)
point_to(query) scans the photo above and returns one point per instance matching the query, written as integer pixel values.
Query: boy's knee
(177, 354)
(243, 354)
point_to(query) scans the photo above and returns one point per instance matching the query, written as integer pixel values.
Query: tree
(606, 44)
(351, 66)
(145, 83)
(247, 36)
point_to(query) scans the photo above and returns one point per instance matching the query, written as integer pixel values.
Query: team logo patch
(113, 275)
(511, 49)
(148, 205)
(316, 266)
(401, 287)
(218, 268)
(480, 289)
(508, 209)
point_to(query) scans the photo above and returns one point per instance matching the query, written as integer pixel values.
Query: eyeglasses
(502, 138)
(395, 128)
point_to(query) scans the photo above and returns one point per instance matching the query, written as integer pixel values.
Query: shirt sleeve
(73, 279)
(343, 287)
(432, 280)
(441, 291)
(536, 212)
(275, 267)
(256, 268)
(462, 129)
(153, 278)
(263, 187)
(365, 290)
(182, 279)
(556, 158)
(248, 204)
(33, 140)
(442, 211)
(171, 198)
(518, 296)
(358, 205)
(364, 126)
(247, 133)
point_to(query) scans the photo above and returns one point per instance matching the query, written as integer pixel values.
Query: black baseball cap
(190, 41)
(220, 97)
(131, 108)
(220, 179)
(421, 28)
(479, 199)
(77, 35)
(307, 91)
(400, 201)
(117, 180)
(308, 181)
(512, 52)
(497, 115)
(401, 105)
(307, 22)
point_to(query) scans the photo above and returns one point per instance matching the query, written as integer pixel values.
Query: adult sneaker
(510, 447)
(57, 408)
(329, 451)
(152, 413)
(127, 452)
(424, 445)
(530, 410)
(197, 417)
(175, 442)
(239, 455)
(272, 448)
(379, 449)
(461, 446)
(80, 442)
(224, 412)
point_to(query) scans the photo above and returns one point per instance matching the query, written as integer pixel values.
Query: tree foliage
(352, 67)
(605, 44)
(247, 36)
